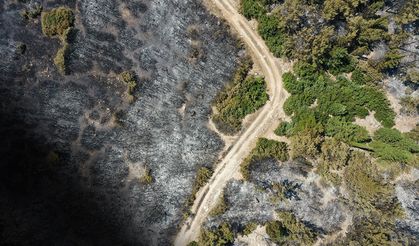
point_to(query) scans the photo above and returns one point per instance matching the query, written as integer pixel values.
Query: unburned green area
(243, 96)
(59, 22)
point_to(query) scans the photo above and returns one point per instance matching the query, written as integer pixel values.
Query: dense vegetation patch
(59, 22)
(245, 95)
(392, 145)
(265, 148)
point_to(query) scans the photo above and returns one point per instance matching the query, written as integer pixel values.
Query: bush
(366, 191)
(291, 84)
(202, 177)
(220, 208)
(219, 237)
(249, 228)
(289, 231)
(57, 21)
(283, 129)
(333, 158)
(61, 59)
(270, 31)
(252, 9)
(147, 178)
(242, 98)
(265, 148)
(129, 78)
(276, 231)
(345, 131)
(306, 143)
(339, 61)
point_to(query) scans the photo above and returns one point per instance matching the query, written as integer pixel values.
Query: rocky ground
(74, 151)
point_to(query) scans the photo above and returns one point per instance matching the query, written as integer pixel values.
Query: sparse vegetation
(33, 12)
(249, 228)
(147, 178)
(202, 177)
(60, 59)
(245, 95)
(130, 80)
(220, 208)
(265, 148)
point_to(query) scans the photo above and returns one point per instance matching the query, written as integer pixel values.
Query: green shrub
(249, 228)
(334, 156)
(291, 84)
(219, 237)
(220, 208)
(276, 231)
(289, 231)
(265, 148)
(129, 78)
(306, 143)
(202, 177)
(269, 30)
(252, 9)
(60, 59)
(243, 97)
(339, 61)
(283, 129)
(362, 182)
(147, 178)
(345, 131)
(57, 21)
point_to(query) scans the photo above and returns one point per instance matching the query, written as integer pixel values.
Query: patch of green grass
(244, 96)
(57, 21)
(265, 148)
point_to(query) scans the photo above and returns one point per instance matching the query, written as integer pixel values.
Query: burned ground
(69, 143)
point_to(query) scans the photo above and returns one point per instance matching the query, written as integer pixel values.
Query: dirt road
(267, 118)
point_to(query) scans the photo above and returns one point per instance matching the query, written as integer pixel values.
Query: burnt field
(75, 152)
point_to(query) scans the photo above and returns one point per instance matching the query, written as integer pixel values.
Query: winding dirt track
(267, 118)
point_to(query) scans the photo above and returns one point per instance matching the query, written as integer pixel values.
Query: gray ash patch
(257, 200)
(90, 195)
